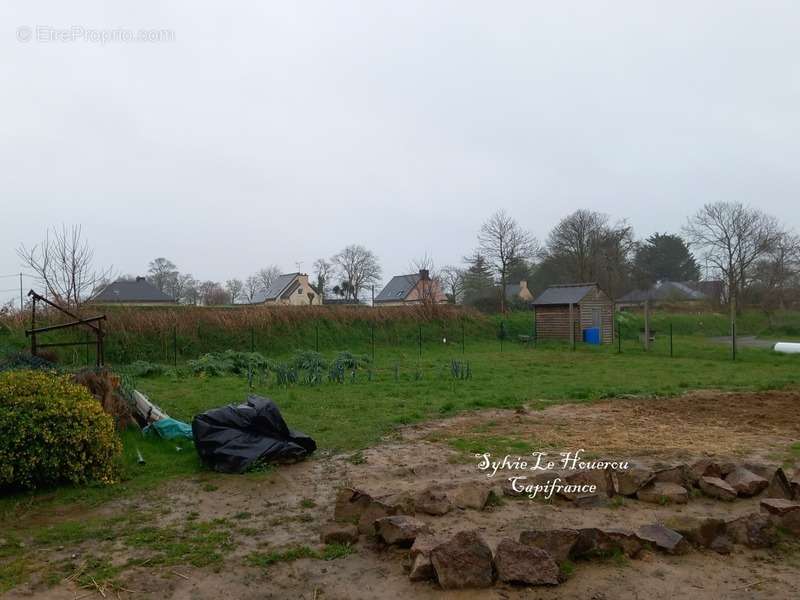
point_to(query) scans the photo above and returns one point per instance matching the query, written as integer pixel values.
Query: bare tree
(427, 280)
(162, 273)
(64, 265)
(323, 271)
(504, 242)
(183, 288)
(453, 282)
(732, 238)
(779, 271)
(252, 285)
(212, 293)
(359, 267)
(234, 287)
(267, 275)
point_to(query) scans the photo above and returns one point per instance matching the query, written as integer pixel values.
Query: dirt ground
(742, 427)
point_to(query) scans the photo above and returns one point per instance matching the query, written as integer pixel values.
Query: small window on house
(299, 290)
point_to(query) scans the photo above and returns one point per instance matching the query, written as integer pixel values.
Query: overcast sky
(277, 132)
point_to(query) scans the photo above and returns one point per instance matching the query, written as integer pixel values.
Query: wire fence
(392, 342)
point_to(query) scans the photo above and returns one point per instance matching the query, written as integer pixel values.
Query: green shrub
(53, 431)
(143, 368)
(230, 361)
(350, 361)
(308, 359)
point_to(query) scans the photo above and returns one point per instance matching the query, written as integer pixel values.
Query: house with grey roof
(663, 292)
(131, 291)
(518, 292)
(290, 289)
(574, 312)
(415, 288)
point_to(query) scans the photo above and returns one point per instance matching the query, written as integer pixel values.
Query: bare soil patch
(287, 507)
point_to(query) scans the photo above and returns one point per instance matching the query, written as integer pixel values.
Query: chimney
(424, 274)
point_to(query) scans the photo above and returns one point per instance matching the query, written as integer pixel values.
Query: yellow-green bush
(53, 431)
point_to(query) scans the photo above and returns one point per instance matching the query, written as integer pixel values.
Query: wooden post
(571, 327)
(33, 327)
(646, 325)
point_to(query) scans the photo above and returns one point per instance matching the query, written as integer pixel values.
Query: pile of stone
(673, 484)
(537, 556)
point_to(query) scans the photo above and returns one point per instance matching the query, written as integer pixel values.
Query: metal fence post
(733, 339)
(175, 345)
(670, 340)
(463, 336)
(619, 337)
(372, 341)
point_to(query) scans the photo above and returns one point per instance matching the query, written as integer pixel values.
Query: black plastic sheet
(232, 438)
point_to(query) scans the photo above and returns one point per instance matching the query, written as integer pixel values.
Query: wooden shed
(584, 305)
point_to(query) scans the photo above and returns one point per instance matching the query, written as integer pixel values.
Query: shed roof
(664, 290)
(276, 288)
(398, 288)
(571, 293)
(131, 290)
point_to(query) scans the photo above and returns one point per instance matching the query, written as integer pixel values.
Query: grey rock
(664, 539)
(528, 565)
(705, 467)
(375, 510)
(593, 541)
(433, 501)
(421, 568)
(626, 482)
(779, 486)
(465, 561)
(400, 530)
(339, 533)
(350, 504)
(746, 483)
(779, 506)
(716, 488)
(663, 492)
(722, 545)
(672, 474)
(556, 542)
(598, 479)
(754, 530)
(470, 495)
(700, 531)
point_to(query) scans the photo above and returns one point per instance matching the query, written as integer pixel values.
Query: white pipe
(787, 347)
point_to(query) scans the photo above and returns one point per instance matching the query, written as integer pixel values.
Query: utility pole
(20, 293)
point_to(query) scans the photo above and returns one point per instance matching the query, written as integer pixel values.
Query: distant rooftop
(398, 288)
(134, 290)
(571, 293)
(276, 288)
(663, 291)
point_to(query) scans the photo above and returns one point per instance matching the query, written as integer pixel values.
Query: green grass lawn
(406, 388)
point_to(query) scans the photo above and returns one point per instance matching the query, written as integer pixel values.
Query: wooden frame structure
(95, 324)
